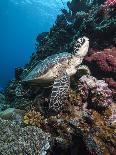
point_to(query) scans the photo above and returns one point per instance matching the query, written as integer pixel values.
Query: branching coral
(33, 118)
(110, 3)
(96, 92)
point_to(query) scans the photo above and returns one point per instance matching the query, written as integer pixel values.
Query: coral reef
(14, 89)
(103, 66)
(104, 61)
(87, 124)
(95, 91)
(22, 140)
(83, 131)
(18, 72)
(33, 118)
(98, 25)
(110, 3)
(3, 104)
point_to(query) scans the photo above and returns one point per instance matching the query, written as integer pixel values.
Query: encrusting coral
(103, 134)
(15, 139)
(95, 130)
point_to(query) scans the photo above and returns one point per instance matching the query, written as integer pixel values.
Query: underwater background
(60, 60)
(21, 22)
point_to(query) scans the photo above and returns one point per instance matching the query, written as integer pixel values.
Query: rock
(12, 114)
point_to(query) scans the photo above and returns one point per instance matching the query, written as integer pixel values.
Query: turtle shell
(42, 67)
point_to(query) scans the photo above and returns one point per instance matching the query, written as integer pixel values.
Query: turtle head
(81, 46)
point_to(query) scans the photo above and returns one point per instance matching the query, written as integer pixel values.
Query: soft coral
(110, 2)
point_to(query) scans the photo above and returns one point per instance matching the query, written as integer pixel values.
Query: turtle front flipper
(60, 92)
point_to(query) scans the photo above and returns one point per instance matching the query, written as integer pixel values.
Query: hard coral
(96, 92)
(84, 131)
(103, 134)
(3, 104)
(33, 118)
(15, 139)
(112, 85)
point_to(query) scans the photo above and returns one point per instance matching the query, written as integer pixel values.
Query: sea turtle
(58, 68)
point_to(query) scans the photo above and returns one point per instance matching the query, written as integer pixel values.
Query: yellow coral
(74, 98)
(33, 118)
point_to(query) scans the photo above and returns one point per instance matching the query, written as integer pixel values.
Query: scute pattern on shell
(42, 67)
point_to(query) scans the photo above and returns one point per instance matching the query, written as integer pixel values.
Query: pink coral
(103, 65)
(96, 92)
(110, 2)
(112, 84)
(104, 60)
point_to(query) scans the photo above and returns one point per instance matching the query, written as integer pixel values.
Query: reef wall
(87, 124)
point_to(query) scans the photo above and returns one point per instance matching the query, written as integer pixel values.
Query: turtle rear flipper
(60, 92)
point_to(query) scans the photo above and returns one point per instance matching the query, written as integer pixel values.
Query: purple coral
(104, 61)
(96, 92)
(103, 66)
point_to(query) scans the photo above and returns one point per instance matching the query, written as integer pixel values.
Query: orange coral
(104, 135)
(74, 98)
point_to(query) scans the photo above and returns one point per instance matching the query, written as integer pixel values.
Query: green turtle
(58, 68)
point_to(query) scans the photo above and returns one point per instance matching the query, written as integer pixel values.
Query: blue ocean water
(20, 23)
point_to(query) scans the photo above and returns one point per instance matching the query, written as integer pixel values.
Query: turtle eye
(81, 41)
